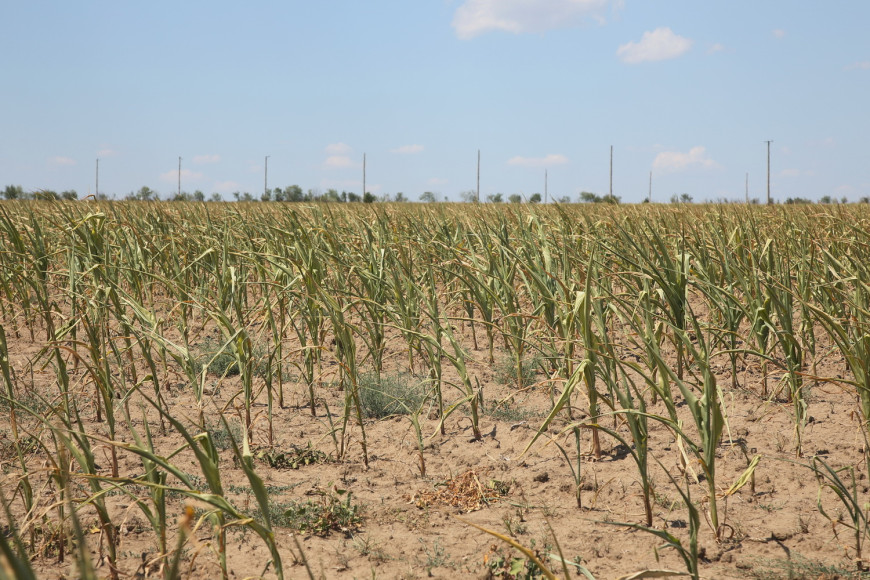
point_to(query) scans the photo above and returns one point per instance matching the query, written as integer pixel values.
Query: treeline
(294, 193)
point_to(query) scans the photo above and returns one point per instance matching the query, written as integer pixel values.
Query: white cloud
(845, 190)
(549, 160)
(340, 162)
(172, 176)
(341, 184)
(438, 181)
(407, 149)
(660, 44)
(475, 17)
(790, 172)
(106, 152)
(778, 33)
(338, 148)
(203, 159)
(224, 186)
(714, 48)
(859, 65)
(677, 161)
(60, 160)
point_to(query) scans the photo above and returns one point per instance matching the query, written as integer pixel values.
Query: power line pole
(478, 176)
(97, 187)
(611, 172)
(266, 179)
(545, 186)
(179, 176)
(649, 195)
(769, 201)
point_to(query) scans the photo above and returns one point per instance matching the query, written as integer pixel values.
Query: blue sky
(688, 90)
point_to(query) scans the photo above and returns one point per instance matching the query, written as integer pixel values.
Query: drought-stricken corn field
(405, 390)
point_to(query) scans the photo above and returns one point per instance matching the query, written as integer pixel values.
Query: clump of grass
(219, 361)
(221, 436)
(222, 362)
(295, 458)
(512, 413)
(387, 395)
(800, 568)
(332, 512)
(506, 372)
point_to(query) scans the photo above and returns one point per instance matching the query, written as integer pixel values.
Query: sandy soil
(412, 526)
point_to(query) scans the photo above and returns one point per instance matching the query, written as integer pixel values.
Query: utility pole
(97, 188)
(611, 172)
(545, 186)
(266, 179)
(478, 176)
(179, 176)
(769, 201)
(649, 195)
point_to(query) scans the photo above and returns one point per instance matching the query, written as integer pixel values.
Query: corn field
(255, 390)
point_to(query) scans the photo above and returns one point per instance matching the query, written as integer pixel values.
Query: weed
(800, 568)
(436, 557)
(295, 458)
(506, 372)
(389, 395)
(332, 512)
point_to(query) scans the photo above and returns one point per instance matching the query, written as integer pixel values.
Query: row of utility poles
(477, 191)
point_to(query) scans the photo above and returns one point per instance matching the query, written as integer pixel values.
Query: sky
(686, 91)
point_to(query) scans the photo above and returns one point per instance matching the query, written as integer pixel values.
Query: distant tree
(682, 198)
(145, 193)
(428, 197)
(69, 194)
(314, 194)
(369, 197)
(198, 196)
(400, 198)
(844, 199)
(215, 197)
(331, 195)
(293, 193)
(515, 198)
(45, 195)
(468, 196)
(266, 195)
(826, 199)
(589, 197)
(495, 198)
(182, 196)
(864, 199)
(797, 200)
(535, 198)
(353, 197)
(13, 192)
(610, 198)
(564, 199)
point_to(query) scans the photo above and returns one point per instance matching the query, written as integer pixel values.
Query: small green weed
(506, 372)
(389, 395)
(295, 458)
(800, 568)
(333, 511)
